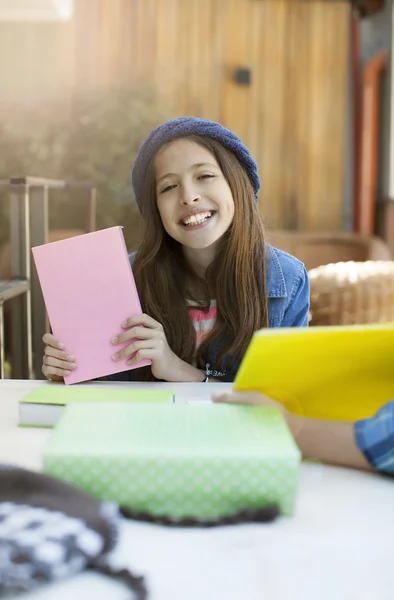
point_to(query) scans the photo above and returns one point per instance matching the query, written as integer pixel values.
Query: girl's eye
(167, 188)
(206, 176)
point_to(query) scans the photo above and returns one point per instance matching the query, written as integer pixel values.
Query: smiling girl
(206, 277)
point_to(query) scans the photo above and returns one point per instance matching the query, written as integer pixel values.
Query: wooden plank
(165, 78)
(303, 159)
(328, 62)
(337, 61)
(287, 205)
(235, 97)
(206, 62)
(217, 70)
(86, 45)
(181, 103)
(145, 45)
(253, 131)
(316, 108)
(116, 13)
(273, 104)
(192, 50)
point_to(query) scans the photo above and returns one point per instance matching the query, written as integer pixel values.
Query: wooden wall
(292, 115)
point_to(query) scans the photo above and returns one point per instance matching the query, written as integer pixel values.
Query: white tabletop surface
(339, 545)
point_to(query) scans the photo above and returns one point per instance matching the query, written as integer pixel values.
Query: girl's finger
(250, 398)
(60, 364)
(144, 320)
(138, 332)
(148, 353)
(60, 354)
(49, 371)
(133, 348)
(50, 340)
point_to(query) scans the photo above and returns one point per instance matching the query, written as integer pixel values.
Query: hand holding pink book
(89, 291)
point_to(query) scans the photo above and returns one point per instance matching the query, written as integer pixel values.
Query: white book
(44, 406)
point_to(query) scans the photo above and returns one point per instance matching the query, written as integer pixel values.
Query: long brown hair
(236, 278)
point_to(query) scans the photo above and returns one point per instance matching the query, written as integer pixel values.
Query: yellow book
(341, 373)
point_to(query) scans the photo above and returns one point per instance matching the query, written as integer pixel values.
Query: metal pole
(2, 356)
(38, 237)
(91, 211)
(20, 269)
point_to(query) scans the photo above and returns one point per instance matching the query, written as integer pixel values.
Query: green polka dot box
(179, 460)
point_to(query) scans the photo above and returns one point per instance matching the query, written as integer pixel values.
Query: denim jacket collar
(275, 280)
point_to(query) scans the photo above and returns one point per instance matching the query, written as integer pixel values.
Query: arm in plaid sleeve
(375, 438)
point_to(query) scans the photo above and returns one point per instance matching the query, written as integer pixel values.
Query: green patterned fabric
(202, 461)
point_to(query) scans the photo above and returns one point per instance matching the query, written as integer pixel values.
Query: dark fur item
(50, 530)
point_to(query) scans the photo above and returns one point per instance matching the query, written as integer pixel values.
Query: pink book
(89, 290)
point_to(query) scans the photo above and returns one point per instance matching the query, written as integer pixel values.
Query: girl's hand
(148, 341)
(56, 362)
(294, 422)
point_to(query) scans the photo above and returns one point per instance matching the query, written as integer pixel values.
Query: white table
(339, 545)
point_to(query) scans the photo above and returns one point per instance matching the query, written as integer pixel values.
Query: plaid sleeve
(375, 438)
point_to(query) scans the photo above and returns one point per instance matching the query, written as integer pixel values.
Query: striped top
(203, 320)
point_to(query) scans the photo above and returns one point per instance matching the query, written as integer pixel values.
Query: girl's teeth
(197, 219)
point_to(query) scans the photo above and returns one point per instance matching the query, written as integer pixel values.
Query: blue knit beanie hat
(182, 127)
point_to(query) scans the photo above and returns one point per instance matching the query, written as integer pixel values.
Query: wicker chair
(347, 293)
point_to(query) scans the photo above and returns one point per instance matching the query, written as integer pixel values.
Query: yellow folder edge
(340, 373)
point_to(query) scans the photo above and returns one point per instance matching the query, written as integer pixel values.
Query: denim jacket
(287, 287)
